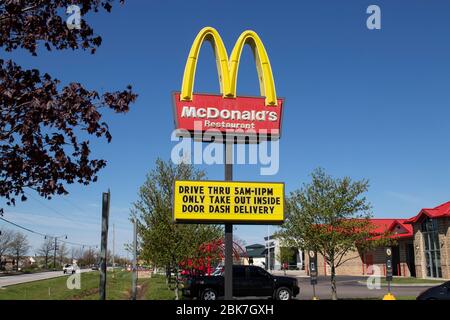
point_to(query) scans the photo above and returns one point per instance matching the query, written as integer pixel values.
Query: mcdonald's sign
(247, 116)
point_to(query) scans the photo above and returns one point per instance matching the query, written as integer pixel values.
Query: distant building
(9, 263)
(273, 247)
(255, 255)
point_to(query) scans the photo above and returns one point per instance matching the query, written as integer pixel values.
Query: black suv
(440, 292)
(247, 281)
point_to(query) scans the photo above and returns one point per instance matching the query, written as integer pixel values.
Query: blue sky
(363, 103)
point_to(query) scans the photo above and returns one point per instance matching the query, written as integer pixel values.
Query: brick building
(431, 229)
(422, 250)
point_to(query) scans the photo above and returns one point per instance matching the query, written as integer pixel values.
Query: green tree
(163, 243)
(63, 251)
(332, 217)
(46, 250)
(6, 237)
(47, 128)
(19, 247)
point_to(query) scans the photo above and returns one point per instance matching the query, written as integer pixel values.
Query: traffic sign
(389, 264)
(313, 267)
(228, 202)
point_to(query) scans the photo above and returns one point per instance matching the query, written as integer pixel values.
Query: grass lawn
(157, 289)
(405, 298)
(56, 289)
(381, 298)
(402, 280)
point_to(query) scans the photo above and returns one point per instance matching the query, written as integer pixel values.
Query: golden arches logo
(228, 68)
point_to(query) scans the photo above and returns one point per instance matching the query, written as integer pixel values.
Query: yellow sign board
(228, 202)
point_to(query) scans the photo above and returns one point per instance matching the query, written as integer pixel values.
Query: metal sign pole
(228, 154)
(104, 242)
(389, 274)
(313, 271)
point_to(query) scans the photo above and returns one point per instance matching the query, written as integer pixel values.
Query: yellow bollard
(389, 296)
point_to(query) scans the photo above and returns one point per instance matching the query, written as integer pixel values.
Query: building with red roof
(397, 227)
(441, 211)
(422, 247)
(373, 262)
(431, 230)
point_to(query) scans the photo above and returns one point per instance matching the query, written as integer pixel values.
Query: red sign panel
(242, 116)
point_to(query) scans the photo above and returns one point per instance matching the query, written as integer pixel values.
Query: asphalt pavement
(348, 287)
(23, 278)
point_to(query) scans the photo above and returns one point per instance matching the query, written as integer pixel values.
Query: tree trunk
(167, 276)
(176, 288)
(333, 282)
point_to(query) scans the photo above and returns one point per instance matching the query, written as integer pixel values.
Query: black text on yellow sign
(228, 202)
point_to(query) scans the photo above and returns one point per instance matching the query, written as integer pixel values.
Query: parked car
(69, 268)
(94, 267)
(440, 292)
(247, 281)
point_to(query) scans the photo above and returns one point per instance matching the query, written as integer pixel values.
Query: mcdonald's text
(214, 111)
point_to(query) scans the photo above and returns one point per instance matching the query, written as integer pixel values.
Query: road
(349, 288)
(23, 278)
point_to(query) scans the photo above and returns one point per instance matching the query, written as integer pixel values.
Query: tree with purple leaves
(43, 145)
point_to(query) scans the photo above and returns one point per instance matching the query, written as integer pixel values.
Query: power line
(53, 209)
(79, 244)
(75, 206)
(46, 235)
(22, 227)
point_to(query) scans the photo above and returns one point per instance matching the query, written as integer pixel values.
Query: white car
(69, 268)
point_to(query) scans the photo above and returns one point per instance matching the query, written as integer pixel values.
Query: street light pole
(55, 248)
(134, 279)
(113, 247)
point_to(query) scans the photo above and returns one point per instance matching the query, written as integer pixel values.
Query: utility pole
(54, 254)
(228, 226)
(104, 244)
(56, 248)
(134, 279)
